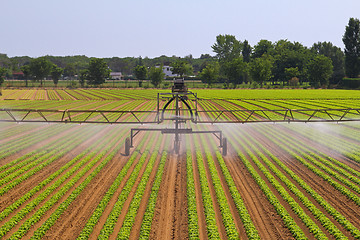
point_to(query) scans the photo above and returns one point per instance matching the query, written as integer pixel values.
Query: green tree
(291, 72)
(182, 68)
(69, 70)
(98, 71)
(260, 69)
(27, 73)
(156, 75)
(227, 48)
(351, 41)
(319, 71)
(234, 71)
(56, 73)
(262, 47)
(246, 51)
(2, 77)
(210, 73)
(337, 57)
(40, 68)
(140, 72)
(84, 74)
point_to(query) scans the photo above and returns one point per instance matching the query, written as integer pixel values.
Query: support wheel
(127, 146)
(224, 146)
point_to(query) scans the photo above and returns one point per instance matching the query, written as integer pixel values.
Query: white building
(115, 75)
(167, 71)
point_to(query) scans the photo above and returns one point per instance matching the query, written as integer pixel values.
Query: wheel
(127, 146)
(224, 146)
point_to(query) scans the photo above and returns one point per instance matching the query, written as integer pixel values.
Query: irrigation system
(181, 106)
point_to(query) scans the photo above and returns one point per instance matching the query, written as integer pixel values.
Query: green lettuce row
(210, 218)
(318, 198)
(294, 205)
(112, 218)
(44, 161)
(125, 230)
(37, 188)
(150, 208)
(193, 223)
(19, 144)
(41, 231)
(350, 195)
(55, 198)
(93, 220)
(225, 211)
(34, 160)
(287, 219)
(30, 157)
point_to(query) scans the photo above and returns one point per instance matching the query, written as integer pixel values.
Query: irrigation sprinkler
(181, 106)
(179, 116)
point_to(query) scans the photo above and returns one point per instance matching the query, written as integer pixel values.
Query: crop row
(55, 198)
(108, 227)
(316, 212)
(280, 209)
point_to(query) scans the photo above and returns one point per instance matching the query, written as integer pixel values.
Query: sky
(151, 28)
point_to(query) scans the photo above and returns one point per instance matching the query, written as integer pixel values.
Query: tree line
(235, 62)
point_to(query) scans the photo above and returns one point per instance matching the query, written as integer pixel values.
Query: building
(115, 75)
(167, 71)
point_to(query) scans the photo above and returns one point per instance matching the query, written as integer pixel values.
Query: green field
(278, 181)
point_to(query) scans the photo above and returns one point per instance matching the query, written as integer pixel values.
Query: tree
(262, 47)
(234, 71)
(27, 73)
(351, 41)
(69, 70)
(84, 74)
(56, 73)
(210, 73)
(291, 72)
(98, 71)
(40, 68)
(140, 72)
(181, 68)
(246, 51)
(2, 78)
(337, 57)
(260, 69)
(156, 75)
(320, 70)
(227, 48)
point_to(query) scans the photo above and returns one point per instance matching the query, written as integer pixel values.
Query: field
(278, 181)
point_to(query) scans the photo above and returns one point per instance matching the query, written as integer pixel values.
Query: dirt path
(170, 218)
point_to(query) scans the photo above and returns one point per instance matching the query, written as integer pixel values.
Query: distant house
(167, 70)
(18, 75)
(115, 75)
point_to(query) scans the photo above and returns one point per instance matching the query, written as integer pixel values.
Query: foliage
(235, 70)
(351, 40)
(98, 71)
(140, 72)
(56, 73)
(40, 68)
(337, 57)
(227, 48)
(181, 68)
(2, 73)
(260, 69)
(210, 73)
(320, 70)
(156, 75)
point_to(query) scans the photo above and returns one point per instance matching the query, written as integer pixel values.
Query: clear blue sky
(132, 28)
